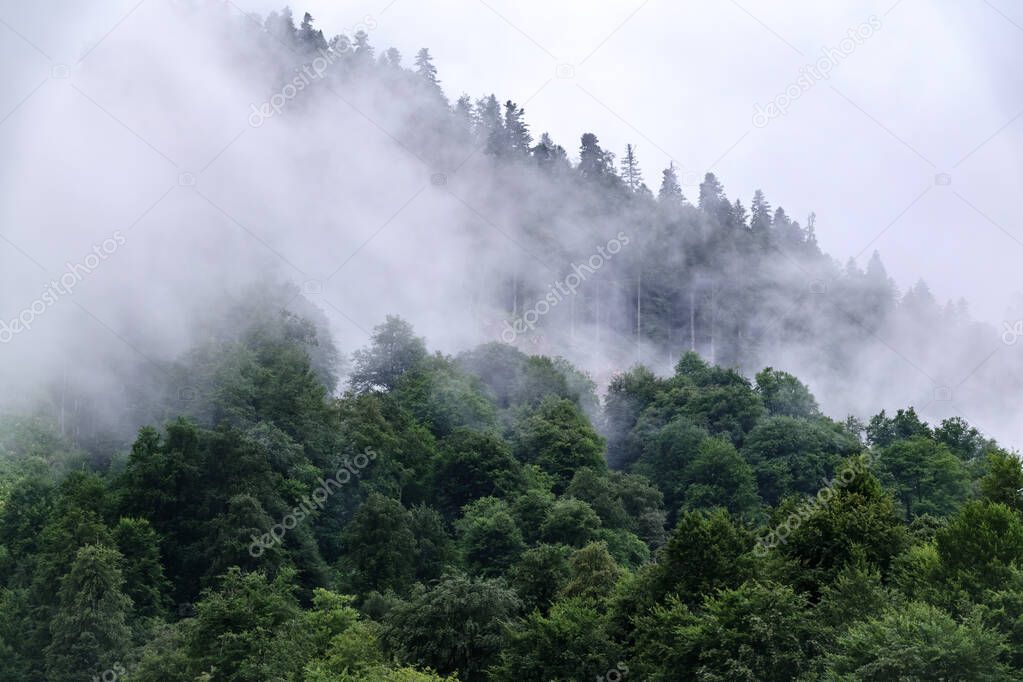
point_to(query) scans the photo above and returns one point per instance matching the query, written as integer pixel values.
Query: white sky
(930, 92)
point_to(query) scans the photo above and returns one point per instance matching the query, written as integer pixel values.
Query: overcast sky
(928, 92)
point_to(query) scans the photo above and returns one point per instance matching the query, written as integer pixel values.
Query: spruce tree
(516, 130)
(671, 191)
(425, 67)
(631, 173)
(593, 161)
(89, 628)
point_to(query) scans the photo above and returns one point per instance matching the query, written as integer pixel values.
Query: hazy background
(106, 108)
(680, 81)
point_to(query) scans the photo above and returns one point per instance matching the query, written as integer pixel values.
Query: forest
(632, 489)
(483, 517)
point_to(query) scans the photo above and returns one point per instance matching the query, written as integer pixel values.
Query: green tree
(380, 548)
(792, 455)
(559, 439)
(241, 630)
(90, 632)
(925, 475)
(540, 574)
(593, 573)
(474, 465)
(757, 631)
(455, 626)
(434, 546)
(719, 477)
(571, 522)
(918, 642)
(981, 545)
(703, 553)
(144, 581)
(394, 348)
(784, 394)
(856, 521)
(1003, 480)
(570, 643)
(667, 456)
(488, 536)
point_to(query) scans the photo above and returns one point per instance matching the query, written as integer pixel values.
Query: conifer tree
(671, 190)
(632, 176)
(760, 214)
(516, 129)
(309, 37)
(593, 161)
(90, 631)
(425, 67)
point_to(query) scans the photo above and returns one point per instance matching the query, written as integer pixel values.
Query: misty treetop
(738, 280)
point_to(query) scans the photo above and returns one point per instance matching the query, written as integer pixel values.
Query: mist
(175, 167)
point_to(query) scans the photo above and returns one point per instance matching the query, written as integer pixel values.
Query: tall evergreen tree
(393, 57)
(309, 37)
(90, 630)
(632, 176)
(712, 194)
(516, 129)
(671, 191)
(425, 67)
(491, 125)
(760, 214)
(363, 50)
(738, 215)
(593, 160)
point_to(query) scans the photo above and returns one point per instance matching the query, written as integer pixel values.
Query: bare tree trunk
(713, 324)
(639, 315)
(692, 320)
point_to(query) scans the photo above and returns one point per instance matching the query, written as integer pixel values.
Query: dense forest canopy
(483, 517)
(625, 486)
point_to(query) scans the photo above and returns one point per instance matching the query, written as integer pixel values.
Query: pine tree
(631, 173)
(309, 37)
(393, 57)
(548, 154)
(363, 50)
(671, 190)
(593, 161)
(516, 129)
(490, 125)
(711, 194)
(738, 215)
(760, 214)
(810, 233)
(425, 67)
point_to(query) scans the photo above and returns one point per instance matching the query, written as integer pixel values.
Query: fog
(134, 155)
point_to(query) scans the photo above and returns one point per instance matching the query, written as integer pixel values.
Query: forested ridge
(406, 515)
(455, 517)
